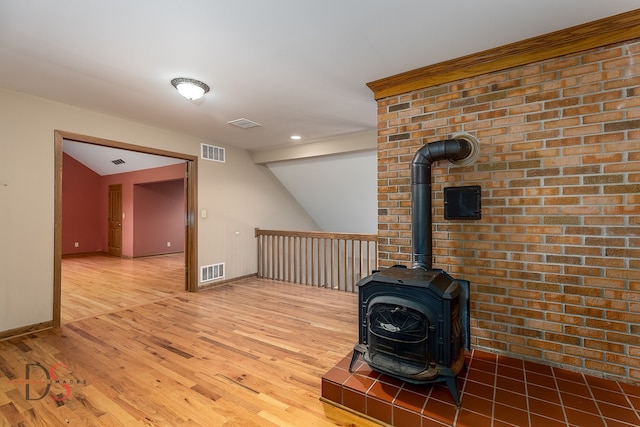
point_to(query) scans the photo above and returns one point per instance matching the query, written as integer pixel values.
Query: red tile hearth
(496, 391)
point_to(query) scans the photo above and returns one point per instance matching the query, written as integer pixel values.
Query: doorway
(190, 186)
(115, 220)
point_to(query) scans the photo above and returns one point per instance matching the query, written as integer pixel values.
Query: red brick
(633, 362)
(583, 353)
(565, 359)
(603, 345)
(606, 326)
(581, 310)
(608, 368)
(565, 319)
(544, 325)
(526, 350)
(586, 333)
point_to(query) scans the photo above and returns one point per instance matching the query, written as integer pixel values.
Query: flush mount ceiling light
(190, 88)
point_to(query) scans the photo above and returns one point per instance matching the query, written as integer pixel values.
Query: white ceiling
(339, 191)
(100, 159)
(294, 66)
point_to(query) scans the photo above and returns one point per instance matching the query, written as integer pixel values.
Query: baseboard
(25, 330)
(83, 254)
(224, 282)
(158, 254)
(103, 253)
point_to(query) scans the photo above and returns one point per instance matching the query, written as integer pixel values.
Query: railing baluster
(260, 272)
(284, 258)
(289, 259)
(368, 265)
(276, 256)
(313, 264)
(329, 260)
(273, 256)
(280, 255)
(360, 261)
(303, 278)
(353, 264)
(296, 263)
(319, 263)
(346, 266)
(267, 241)
(333, 256)
(339, 263)
(323, 262)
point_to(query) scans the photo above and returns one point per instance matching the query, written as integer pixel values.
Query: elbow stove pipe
(462, 149)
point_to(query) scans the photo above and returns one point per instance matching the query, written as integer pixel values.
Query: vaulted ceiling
(294, 67)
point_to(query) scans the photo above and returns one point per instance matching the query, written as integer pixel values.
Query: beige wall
(238, 196)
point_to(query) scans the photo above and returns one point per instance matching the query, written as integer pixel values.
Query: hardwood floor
(249, 353)
(98, 284)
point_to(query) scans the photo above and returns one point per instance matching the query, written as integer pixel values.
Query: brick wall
(555, 260)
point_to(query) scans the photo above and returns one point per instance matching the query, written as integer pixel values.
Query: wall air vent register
(211, 152)
(211, 272)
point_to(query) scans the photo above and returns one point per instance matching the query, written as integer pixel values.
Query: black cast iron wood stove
(414, 323)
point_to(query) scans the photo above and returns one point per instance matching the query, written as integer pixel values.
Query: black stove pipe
(421, 216)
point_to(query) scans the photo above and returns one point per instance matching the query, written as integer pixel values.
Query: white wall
(238, 196)
(339, 191)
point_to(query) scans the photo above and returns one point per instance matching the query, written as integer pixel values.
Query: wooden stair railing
(329, 260)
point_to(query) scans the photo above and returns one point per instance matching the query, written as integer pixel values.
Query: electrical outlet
(76, 244)
(168, 244)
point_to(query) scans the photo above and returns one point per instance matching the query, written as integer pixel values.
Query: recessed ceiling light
(190, 88)
(296, 137)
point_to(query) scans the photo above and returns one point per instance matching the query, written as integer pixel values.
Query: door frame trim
(191, 204)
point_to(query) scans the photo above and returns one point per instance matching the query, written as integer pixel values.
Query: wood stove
(414, 322)
(414, 325)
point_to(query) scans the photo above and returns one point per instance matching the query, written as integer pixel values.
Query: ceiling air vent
(244, 123)
(118, 162)
(211, 272)
(211, 152)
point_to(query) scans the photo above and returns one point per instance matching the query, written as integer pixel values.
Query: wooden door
(115, 220)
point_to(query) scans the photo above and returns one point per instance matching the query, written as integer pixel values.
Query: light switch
(203, 213)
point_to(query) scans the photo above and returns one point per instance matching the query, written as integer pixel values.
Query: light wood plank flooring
(250, 353)
(98, 284)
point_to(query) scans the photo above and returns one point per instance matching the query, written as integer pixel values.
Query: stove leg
(358, 350)
(453, 389)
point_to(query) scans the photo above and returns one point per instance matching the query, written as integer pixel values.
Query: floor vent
(211, 152)
(211, 272)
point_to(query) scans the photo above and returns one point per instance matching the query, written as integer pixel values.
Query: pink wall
(160, 215)
(159, 218)
(128, 181)
(81, 204)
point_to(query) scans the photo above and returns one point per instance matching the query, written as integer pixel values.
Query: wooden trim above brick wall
(603, 32)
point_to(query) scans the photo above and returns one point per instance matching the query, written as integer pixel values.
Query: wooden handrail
(331, 260)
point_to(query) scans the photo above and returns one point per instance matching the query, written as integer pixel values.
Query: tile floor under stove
(496, 391)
